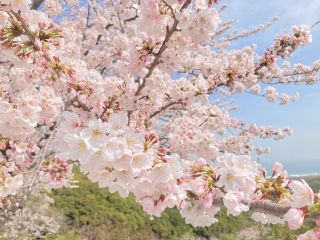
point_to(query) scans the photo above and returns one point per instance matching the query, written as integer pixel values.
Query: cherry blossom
(17, 5)
(232, 201)
(302, 194)
(136, 94)
(294, 217)
(310, 235)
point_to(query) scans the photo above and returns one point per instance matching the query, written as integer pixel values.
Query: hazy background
(300, 152)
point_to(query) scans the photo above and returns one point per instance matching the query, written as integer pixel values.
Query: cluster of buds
(202, 178)
(57, 171)
(58, 68)
(81, 87)
(276, 187)
(286, 44)
(25, 42)
(112, 105)
(165, 8)
(150, 139)
(35, 41)
(147, 49)
(47, 35)
(122, 87)
(12, 37)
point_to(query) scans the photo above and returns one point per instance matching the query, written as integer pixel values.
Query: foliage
(64, 236)
(94, 212)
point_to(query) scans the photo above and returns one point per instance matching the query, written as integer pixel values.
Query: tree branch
(163, 47)
(36, 4)
(162, 109)
(267, 207)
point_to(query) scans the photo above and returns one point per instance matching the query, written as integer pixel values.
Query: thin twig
(163, 109)
(316, 23)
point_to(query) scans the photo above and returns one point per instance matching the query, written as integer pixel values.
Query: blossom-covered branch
(122, 89)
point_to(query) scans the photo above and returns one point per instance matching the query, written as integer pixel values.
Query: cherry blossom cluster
(123, 89)
(55, 172)
(285, 44)
(237, 184)
(11, 180)
(15, 5)
(122, 159)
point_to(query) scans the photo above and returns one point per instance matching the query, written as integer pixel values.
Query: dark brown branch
(36, 4)
(163, 109)
(131, 19)
(315, 24)
(75, 102)
(87, 22)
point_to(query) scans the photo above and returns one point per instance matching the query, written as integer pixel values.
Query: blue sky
(300, 152)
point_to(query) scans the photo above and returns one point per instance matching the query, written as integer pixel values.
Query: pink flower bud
(57, 59)
(277, 167)
(42, 25)
(71, 73)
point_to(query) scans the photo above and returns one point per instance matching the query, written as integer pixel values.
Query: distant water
(297, 168)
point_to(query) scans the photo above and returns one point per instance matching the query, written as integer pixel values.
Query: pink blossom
(277, 167)
(302, 194)
(295, 218)
(309, 235)
(137, 96)
(232, 202)
(17, 5)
